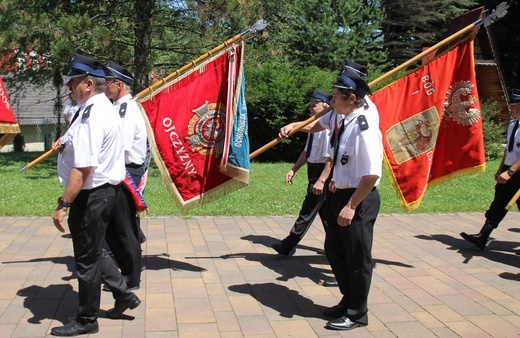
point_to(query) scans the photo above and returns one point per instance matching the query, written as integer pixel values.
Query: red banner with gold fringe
(432, 124)
(191, 119)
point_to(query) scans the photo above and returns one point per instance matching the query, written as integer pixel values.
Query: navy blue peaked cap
(353, 77)
(360, 88)
(120, 73)
(321, 95)
(83, 65)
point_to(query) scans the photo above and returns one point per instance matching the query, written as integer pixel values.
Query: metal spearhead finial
(257, 26)
(499, 12)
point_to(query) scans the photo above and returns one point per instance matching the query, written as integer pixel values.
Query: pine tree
(411, 25)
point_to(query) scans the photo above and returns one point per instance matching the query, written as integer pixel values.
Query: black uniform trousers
(122, 242)
(503, 194)
(88, 220)
(113, 279)
(312, 205)
(349, 251)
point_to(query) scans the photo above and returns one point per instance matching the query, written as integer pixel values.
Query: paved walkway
(218, 277)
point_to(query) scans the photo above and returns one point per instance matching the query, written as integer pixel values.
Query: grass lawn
(35, 192)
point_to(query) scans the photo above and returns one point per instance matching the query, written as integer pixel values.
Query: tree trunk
(143, 32)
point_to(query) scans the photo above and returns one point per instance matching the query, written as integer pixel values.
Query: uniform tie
(336, 138)
(75, 116)
(309, 144)
(512, 137)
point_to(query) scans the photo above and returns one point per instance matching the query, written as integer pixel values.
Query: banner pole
(374, 82)
(513, 200)
(257, 26)
(38, 160)
(293, 131)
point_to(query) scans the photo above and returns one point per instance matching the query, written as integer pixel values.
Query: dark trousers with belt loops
(88, 219)
(122, 241)
(311, 206)
(503, 194)
(349, 251)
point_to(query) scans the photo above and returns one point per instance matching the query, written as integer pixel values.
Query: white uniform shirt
(320, 147)
(514, 155)
(363, 150)
(134, 131)
(94, 140)
(371, 112)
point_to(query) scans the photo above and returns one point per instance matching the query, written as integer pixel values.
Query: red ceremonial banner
(8, 124)
(432, 125)
(188, 121)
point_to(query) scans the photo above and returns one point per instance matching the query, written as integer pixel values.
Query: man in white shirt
(317, 158)
(125, 237)
(91, 167)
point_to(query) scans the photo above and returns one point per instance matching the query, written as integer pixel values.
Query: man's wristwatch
(62, 202)
(510, 171)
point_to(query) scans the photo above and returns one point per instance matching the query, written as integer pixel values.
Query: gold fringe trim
(142, 213)
(415, 204)
(9, 128)
(459, 173)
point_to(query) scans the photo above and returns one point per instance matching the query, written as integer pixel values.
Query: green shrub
(494, 132)
(280, 96)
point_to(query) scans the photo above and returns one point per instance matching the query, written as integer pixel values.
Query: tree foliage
(411, 25)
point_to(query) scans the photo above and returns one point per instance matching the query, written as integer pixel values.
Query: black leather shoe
(120, 306)
(283, 250)
(330, 282)
(133, 285)
(476, 239)
(75, 328)
(335, 311)
(343, 323)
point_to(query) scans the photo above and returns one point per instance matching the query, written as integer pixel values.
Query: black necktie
(512, 138)
(309, 144)
(75, 116)
(336, 137)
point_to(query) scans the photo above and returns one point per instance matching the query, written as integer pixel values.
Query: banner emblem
(458, 99)
(206, 129)
(414, 136)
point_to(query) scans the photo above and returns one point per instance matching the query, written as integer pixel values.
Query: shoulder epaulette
(362, 120)
(122, 109)
(86, 112)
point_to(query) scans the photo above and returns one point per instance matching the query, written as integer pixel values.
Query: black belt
(133, 165)
(315, 164)
(347, 189)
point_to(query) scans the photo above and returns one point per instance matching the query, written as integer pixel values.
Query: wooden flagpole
(374, 82)
(257, 26)
(513, 200)
(38, 160)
